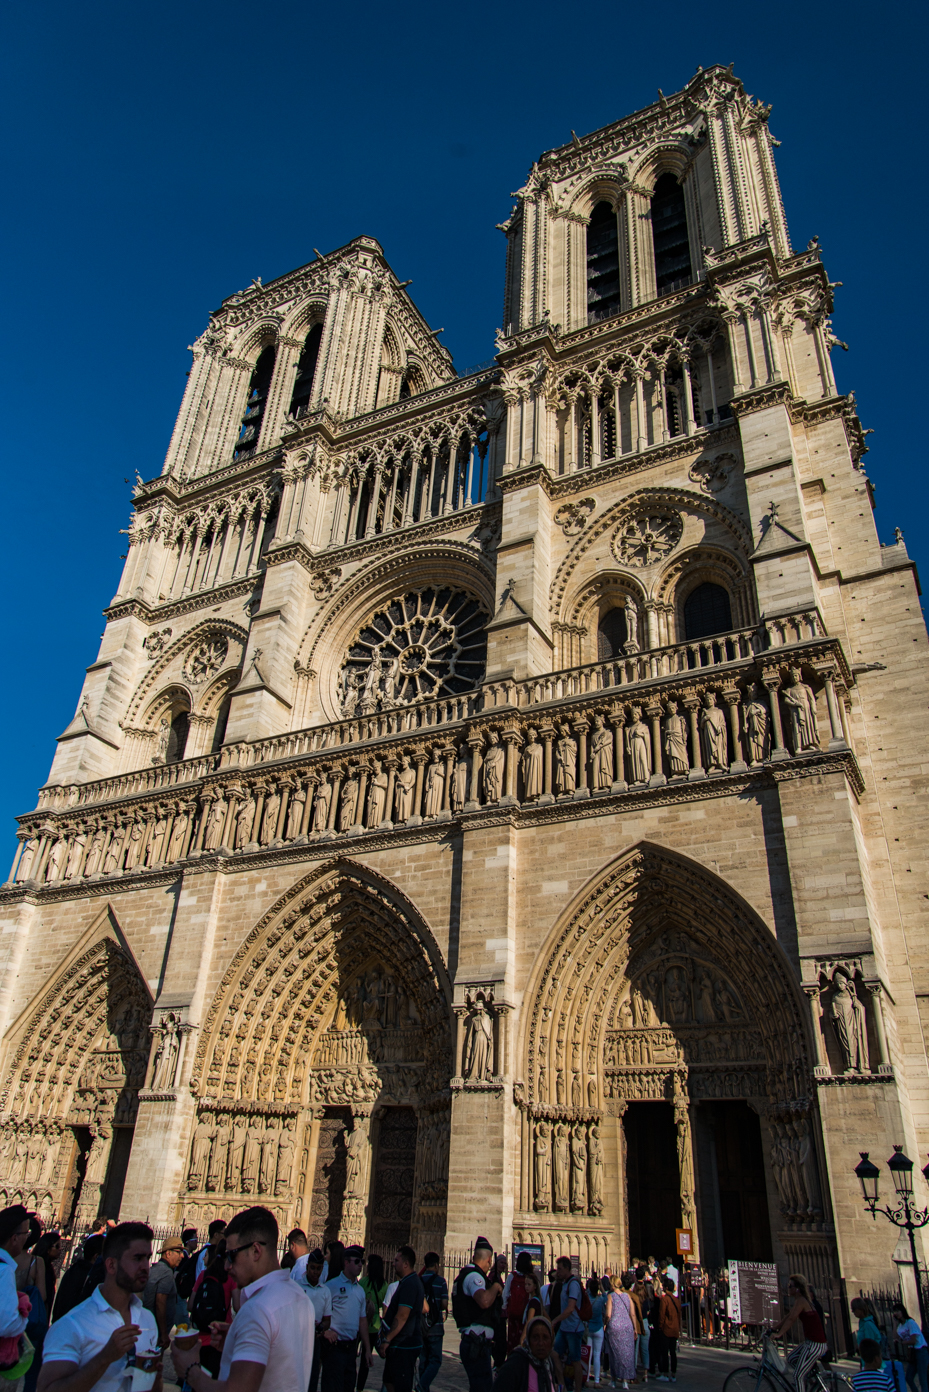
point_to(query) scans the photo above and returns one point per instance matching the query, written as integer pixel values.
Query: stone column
(420, 759)
(692, 706)
(512, 741)
(618, 722)
(548, 734)
(580, 729)
(476, 745)
(772, 682)
(821, 1068)
(337, 776)
(875, 991)
(737, 764)
(837, 733)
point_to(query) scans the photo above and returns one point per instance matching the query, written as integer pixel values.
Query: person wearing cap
(349, 1323)
(472, 1303)
(160, 1294)
(307, 1271)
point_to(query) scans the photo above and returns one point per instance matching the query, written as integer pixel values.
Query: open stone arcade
(474, 819)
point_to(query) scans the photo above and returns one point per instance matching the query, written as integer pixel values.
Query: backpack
(584, 1311)
(463, 1305)
(434, 1316)
(186, 1277)
(209, 1304)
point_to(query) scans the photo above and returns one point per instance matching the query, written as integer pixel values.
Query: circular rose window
(424, 644)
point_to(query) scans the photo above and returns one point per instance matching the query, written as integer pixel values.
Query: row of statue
(242, 1153)
(29, 1151)
(567, 1168)
(375, 1001)
(684, 993)
(793, 1164)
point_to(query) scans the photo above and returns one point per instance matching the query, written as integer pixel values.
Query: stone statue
(356, 1144)
(435, 786)
(595, 1170)
(216, 1175)
(801, 710)
(639, 1008)
(295, 812)
(134, 846)
(632, 625)
(713, 735)
(755, 716)
(371, 687)
(677, 997)
(237, 1151)
(601, 752)
(578, 1170)
(377, 798)
(639, 748)
(178, 835)
(390, 683)
(348, 803)
(562, 1166)
(675, 742)
(321, 807)
(24, 867)
(705, 999)
(493, 768)
(243, 823)
(285, 1158)
(725, 1002)
(625, 1015)
(460, 779)
(111, 860)
(269, 1140)
(53, 869)
(565, 762)
(35, 1156)
(349, 694)
(154, 851)
(251, 1159)
(542, 1170)
(161, 742)
(269, 821)
(404, 791)
(479, 1044)
(163, 1077)
(531, 767)
(200, 1152)
(848, 1019)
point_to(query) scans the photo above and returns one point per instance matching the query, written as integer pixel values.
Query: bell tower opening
(653, 1184)
(669, 233)
(603, 298)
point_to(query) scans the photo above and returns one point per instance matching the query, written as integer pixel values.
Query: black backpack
(434, 1316)
(209, 1304)
(186, 1277)
(462, 1305)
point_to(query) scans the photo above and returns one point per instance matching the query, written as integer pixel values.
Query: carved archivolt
(210, 635)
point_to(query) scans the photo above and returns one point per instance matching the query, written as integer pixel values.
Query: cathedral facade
(474, 819)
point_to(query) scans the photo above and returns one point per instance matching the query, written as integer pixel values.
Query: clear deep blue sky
(159, 157)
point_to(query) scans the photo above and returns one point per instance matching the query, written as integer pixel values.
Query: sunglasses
(233, 1252)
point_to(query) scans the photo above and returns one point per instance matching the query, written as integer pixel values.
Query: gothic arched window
(612, 635)
(669, 234)
(258, 389)
(602, 264)
(707, 610)
(177, 738)
(222, 720)
(306, 370)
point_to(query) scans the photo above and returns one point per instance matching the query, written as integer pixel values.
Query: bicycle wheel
(748, 1380)
(836, 1381)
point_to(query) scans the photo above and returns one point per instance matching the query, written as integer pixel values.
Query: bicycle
(771, 1374)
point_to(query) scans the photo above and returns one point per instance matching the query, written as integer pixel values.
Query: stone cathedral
(474, 819)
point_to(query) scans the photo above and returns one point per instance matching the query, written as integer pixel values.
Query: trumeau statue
(638, 747)
(601, 751)
(713, 735)
(377, 798)
(847, 1014)
(494, 761)
(532, 767)
(479, 1044)
(565, 762)
(801, 709)
(755, 716)
(404, 790)
(321, 807)
(542, 1170)
(675, 741)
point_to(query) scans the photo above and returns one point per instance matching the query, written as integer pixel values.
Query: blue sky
(159, 157)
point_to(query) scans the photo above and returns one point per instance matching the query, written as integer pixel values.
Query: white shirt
(907, 1329)
(320, 1295)
(675, 1276)
(80, 1335)
(348, 1306)
(471, 1284)
(274, 1326)
(390, 1292)
(12, 1323)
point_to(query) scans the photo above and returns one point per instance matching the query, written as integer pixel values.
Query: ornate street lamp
(904, 1215)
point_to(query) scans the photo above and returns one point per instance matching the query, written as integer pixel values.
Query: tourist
(72, 1282)
(374, 1285)
(547, 1288)
(402, 1343)
(814, 1345)
(568, 1295)
(349, 1322)
(534, 1364)
(534, 1305)
(668, 1269)
(297, 1247)
(436, 1292)
(595, 1327)
(514, 1300)
(669, 1326)
(619, 1324)
(96, 1337)
(334, 1253)
(48, 1248)
(186, 1273)
(872, 1377)
(160, 1294)
(473, 1297)
(912, 1337)
(863, 1311)
(14, 1234)
(308, 1273)
(214, 1233)
(270, 1342)
(32, 1281)
(641, 1304)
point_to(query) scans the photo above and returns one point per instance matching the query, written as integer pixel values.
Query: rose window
(429, 643)
(642, 540)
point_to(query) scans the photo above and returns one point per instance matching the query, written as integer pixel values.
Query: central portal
(653, 1182)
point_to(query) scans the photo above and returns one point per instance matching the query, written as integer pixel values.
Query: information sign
(535, 1251)
(754, 1292)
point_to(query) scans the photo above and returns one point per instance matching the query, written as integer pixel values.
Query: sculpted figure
(348, 804)
(705, 997)
(847, 1014)
(435, 786)
(639, 748)
(237, 1152)
(53, 869)
(639, 1009)
(404, 790)
(713, 735)
(562, 1167)
(801, 710)
(94, 855)
(77, 851)
(321, 807)
(595, 1169)
(494, 761)
(216, 1174)
(349, 695)
(578, 1170)
(154, 851)
(111, 859)
(531, 766)
(625, 1015)
(200, 1152)
(372, 680)
(377, 798)
(161, 743)
(565, 762)
(269, 1140)
(215, 821)
(295, 812)
(285, 1158)
(36, 1154)
(178, 835)
(676, 998)
(243, 823)
(632, 625)
(251, 1159)
(269, 820)
(24, 867)
(460, 779)
(542, 1170)
(601, 751)
(134, 845)
(755, 715)
(674, 743)
(479, 1044)
(356, 1143)
(390, 683)
(725, 1001)
(163, 1080)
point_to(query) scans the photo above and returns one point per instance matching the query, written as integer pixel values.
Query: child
(872, 1377)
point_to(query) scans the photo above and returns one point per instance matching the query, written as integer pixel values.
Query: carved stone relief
(642, 540)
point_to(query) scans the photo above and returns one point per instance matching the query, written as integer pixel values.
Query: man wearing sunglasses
(269, 1345)
(349, 1323)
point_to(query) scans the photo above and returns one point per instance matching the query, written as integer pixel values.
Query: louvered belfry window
(306, 371)
(707, 610)
(258, 389)
(669, 233)
(602, 264)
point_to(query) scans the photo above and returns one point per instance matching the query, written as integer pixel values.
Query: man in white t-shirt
(90, 1346)
(270, 1342)
(472, 1303)
(307, 1272)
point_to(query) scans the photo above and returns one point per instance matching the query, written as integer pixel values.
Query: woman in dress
(620, 1333)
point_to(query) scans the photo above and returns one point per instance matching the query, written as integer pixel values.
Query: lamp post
(904, 1215)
